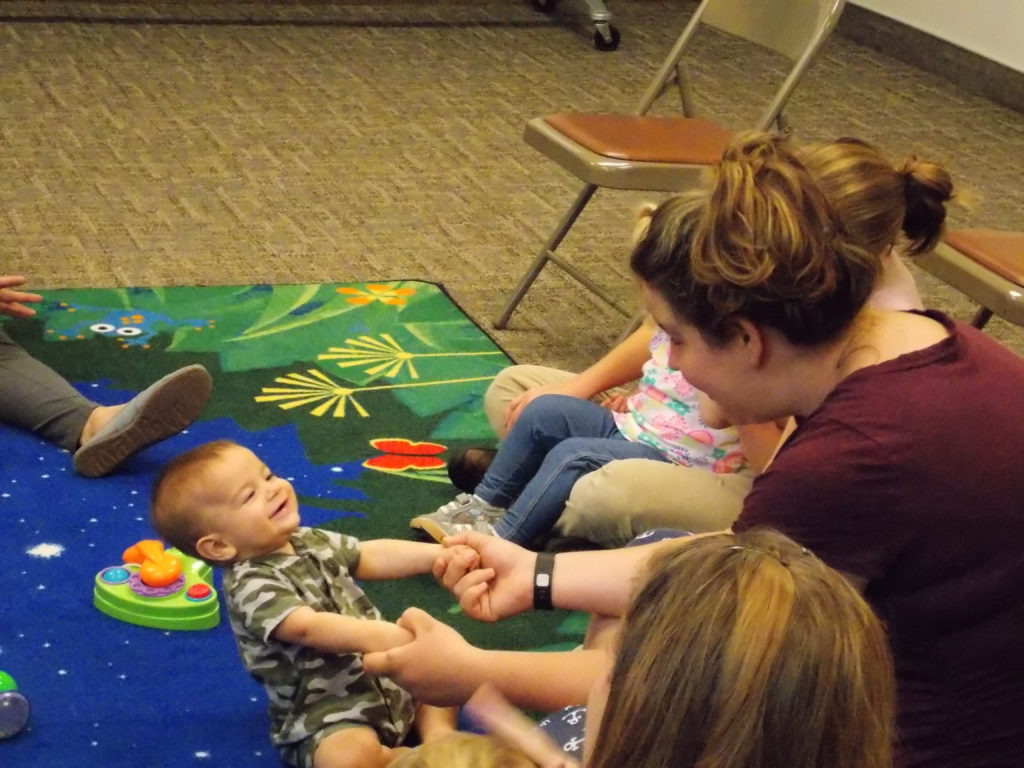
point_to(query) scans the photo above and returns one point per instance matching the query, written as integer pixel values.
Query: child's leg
(545, 423)
(541, 502)
(510, 383)
(354, 747)
(435, 722)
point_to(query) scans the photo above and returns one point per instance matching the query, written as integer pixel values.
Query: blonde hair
(763, 243)
(881, 204)
(464, 750)
(747, 651)
(172, 513)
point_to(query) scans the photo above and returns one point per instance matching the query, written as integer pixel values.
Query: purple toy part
(135, 582)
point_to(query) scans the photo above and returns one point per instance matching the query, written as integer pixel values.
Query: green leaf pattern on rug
(404, 337)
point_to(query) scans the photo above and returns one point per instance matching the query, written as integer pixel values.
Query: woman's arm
(440, 667)
(620, 366)
(501, 584)
(759, 443)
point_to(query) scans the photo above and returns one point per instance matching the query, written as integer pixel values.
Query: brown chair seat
(670, 154)
(681, 140)
(1002, 252)
(985, 264)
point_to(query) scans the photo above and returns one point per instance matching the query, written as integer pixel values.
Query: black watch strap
(542, 581)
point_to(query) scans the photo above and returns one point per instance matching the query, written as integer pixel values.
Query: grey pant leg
(35, 397)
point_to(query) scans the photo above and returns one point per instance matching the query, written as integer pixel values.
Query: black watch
(542, 581)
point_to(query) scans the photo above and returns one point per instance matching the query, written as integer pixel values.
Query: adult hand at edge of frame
(12, 303)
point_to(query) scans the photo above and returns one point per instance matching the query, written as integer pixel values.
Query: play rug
(358, 393)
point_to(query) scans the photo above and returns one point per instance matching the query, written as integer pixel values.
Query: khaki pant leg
(512, 382)
(627, 497)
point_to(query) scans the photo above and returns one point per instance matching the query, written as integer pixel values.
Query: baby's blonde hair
(757, 654)
(464, 750)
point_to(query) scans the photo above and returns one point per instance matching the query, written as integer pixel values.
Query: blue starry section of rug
(357, 393)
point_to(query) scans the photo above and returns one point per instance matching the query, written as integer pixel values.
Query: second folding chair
(668, 154)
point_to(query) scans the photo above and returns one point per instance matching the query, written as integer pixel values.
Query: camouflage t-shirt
(309, 689)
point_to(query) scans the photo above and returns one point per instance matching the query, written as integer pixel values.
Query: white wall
(991, 28)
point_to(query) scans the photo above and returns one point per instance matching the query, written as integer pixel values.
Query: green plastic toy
(158, 589)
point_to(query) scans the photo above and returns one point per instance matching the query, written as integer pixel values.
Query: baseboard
(964, 68)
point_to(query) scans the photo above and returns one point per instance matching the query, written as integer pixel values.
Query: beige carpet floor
(181, 143)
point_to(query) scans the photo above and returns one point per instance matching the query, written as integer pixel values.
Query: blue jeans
(556, 440)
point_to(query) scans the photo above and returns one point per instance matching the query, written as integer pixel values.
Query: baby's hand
(464, 558)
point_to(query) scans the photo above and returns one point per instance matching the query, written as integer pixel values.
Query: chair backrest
(794, 28)
(784, 26)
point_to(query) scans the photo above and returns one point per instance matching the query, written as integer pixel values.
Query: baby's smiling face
(249, 511)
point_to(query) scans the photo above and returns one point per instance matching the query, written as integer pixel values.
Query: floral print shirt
(664, 413)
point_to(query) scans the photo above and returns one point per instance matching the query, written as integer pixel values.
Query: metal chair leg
(981, 318)
(634, 322)
(544, 256)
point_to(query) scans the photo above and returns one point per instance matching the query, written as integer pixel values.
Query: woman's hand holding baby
(457, 558)
(437, 667)
(498, 584)
(384, 635)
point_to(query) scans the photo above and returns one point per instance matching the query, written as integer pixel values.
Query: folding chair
(986, 265)
(668, 154)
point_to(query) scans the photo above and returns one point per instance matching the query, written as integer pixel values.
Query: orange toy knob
(157, 568)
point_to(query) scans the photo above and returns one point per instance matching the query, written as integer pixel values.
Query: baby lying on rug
(300, 620)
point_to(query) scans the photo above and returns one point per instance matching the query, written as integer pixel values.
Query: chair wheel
(544, 6)
(609, 43)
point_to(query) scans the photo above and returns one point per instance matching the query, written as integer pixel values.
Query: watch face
(543, 580)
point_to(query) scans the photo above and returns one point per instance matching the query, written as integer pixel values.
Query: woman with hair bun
(905, 472)
(891, 210)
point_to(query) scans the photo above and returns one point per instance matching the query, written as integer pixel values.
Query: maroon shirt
(911, 476)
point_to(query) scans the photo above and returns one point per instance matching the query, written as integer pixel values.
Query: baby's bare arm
(394, 558)
(334, 633)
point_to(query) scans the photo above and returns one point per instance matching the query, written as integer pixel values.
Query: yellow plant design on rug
(315, 386)
(384, 355)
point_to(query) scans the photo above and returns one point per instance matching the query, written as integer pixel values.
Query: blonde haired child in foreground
(725, 638)
(300, 620)
(464, 750)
